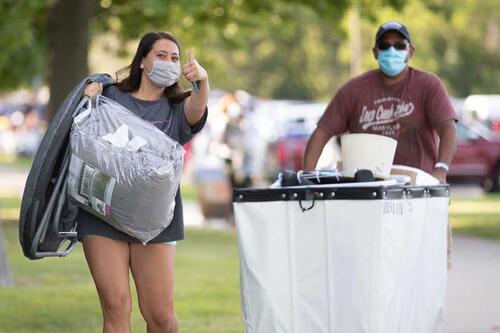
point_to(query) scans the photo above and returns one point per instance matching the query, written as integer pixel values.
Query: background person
(396, 100)
(152, 92)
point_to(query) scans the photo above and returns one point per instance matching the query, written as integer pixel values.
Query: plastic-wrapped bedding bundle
(123, 169)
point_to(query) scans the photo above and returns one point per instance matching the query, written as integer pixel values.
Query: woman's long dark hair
(131, 83)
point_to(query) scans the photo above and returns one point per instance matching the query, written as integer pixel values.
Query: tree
(50, 37)
(468, 45)
(46, 39)
(457, 40)
(23, 42)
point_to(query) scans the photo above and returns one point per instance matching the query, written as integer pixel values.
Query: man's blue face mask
(391, 61)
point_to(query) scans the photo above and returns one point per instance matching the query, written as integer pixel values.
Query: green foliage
(473, 37)
(281, 49)
(458, 40)
(253, 45)
(226, 27)
(278, 57)
(23, 39)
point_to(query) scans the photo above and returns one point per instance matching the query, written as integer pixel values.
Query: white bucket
(367, 151)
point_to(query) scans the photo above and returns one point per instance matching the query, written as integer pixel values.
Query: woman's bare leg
(108, 261)
(152, 267)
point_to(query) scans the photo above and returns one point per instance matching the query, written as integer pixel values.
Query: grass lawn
(9, 207)
(15, 161)
(188, 191)
(58, 295)
(479, 217)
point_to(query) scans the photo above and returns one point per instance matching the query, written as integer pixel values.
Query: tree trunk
(68, 40)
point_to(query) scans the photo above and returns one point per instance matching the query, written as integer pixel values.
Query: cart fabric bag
(336, 260)
(123, 169)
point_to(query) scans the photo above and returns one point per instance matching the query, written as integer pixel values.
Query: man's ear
(411, 51)
(375, 53)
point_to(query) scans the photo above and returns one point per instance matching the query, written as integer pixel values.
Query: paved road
(474, 287)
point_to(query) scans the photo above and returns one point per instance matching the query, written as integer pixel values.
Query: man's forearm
(311, 156)
(447, 141)
(314, 148)
(447, 144)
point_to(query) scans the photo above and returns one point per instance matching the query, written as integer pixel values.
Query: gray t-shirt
(171, 120)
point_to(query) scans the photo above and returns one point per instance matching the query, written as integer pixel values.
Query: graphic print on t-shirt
(383, 116)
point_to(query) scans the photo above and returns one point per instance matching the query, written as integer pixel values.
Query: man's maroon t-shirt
(409, 112)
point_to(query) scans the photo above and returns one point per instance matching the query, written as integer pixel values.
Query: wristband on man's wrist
(442, 165)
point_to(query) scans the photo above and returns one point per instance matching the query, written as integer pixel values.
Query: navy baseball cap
(392, 26)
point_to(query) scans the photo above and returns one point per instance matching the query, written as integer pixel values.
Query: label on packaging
(90, 186)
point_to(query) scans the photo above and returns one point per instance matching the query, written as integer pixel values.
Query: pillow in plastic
(123, 169)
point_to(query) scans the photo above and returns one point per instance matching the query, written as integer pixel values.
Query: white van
(485, 108)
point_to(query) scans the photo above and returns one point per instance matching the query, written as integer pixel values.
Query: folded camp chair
(47, 221)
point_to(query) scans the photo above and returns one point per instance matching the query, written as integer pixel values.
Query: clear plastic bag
(123, 169)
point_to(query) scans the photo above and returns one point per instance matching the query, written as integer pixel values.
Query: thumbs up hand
(192, 70)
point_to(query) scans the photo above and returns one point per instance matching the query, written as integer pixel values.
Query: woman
(151, 91)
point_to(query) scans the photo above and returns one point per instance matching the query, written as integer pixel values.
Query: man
(395, 100)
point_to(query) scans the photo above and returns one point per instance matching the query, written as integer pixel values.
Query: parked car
(477, 158)
(484, 108)
(292, 122)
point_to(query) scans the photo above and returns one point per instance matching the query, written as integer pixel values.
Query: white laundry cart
(343, 259)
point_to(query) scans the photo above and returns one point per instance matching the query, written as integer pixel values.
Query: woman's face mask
(391, 61)
(163, 73)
